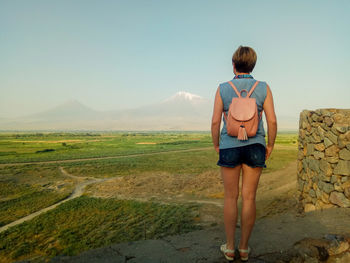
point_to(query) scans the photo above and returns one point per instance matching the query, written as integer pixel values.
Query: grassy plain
(60, 146)
(26, 189)
(87, 222)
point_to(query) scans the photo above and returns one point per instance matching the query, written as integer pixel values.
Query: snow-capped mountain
(182, 111)
(185, 96)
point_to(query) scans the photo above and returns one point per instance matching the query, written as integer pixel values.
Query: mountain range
(182, 111)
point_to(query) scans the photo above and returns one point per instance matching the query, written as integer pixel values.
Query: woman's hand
(269, 149)
(271, 120)
(216, 148)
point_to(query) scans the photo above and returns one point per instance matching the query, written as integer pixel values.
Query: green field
(85, 223)
(27, 188)
(61, 146)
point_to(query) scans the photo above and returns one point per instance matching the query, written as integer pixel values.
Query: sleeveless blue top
(227, 93)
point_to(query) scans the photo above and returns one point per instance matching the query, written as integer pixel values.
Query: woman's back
(227, 93)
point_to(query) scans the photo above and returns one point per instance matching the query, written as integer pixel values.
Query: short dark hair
(244, 59)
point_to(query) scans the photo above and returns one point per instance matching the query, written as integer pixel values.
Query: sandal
(241, 250)
(225, 250)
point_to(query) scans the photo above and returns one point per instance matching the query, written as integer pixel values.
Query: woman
(246, 155)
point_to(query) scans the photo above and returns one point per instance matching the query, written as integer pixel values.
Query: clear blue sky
(120, 54)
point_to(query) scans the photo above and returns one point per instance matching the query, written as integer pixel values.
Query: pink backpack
(242, 119)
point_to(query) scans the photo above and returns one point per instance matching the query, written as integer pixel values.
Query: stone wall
(324, 159)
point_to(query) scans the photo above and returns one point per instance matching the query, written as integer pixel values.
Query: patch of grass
(85, 223)
(193, 162)
(29, 202)
(280, 158)
(62, 146)
(23, 190)
(31, 174)
(287, 139)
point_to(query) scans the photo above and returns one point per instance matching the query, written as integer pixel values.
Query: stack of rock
(324, 158)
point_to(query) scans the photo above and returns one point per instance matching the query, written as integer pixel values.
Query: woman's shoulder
(262, 82)
(262, 85)
(224, 84)
(224, 88)
(261, 89)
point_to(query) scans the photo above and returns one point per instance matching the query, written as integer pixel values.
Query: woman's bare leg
(230, 177)
(250, 181)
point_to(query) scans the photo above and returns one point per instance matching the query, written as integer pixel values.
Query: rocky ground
(317, 236)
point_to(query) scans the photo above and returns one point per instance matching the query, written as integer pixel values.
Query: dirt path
(78, 191)
(275, 192)
(107, 157)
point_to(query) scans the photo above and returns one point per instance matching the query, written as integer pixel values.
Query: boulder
(343, 168)
(325, 198)
(339, 118)
(301, 133)
(337, 187)
(319, 147)
(314, 117)
(344, 179)
(309, 207)
(301, 185)
(341, 129)
(344, 154)
(314, 165)
(326, 168)
(309, 149)
(304, 151)
(315, 138)
(333, 137)
(347, 192)
(339, 199)
(346, 187)
(312, 193)
(325, 112)
(332, 159)
(321, 132)
(328, 121)
(324, 177)
(332, 151)
(327, 142)
(334, 179)
(300, 166)
(318, 155)
(325, 187)
(338, 244)
(342, 141)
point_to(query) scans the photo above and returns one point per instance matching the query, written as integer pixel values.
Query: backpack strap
(235, 89)
(250, 92)
(253, 88)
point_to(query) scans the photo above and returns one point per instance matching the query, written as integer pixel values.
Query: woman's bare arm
(216, 119)
(271, 120)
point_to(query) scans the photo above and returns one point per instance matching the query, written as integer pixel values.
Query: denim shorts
(252, 155)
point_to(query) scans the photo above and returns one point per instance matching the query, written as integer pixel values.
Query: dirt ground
(276, 192)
